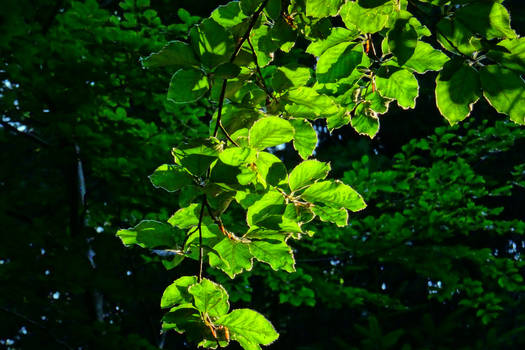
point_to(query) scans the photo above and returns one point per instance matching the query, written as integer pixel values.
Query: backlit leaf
(187, 85)
(307, 172)
(305, 137)
(334, 194)
(170, 177)
(457, 90)
(270, 131)
(177, 292)
(505, 91)
(210, 297)
(175, 53)
(398, 84)
(249, 328)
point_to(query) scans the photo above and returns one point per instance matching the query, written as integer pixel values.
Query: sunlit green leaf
(233, 257)
(278, 255)
(212, 42)
(329, 214)
(426, 58)
(271, 203)
(489, 19)
(238, 155)
(177, 292)
(308, 172)
(175, 53)
(291, 76)
(210, 297)
(338, 62)
(186, 217)
(308, 103)
(365, 120)
(187, 85)
(515, 57)
(398, 84)
(305, 137)
(457, 90)
(270, 131)
(368, 18)
(337, 36)
(505, 91)
(228, 15)
(170, 177)
(402, 40)
(150, 234)
(249, 328)
(334, 194)
(322, 8)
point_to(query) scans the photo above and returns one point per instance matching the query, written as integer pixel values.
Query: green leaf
(305, 137)
(505, 91)
(337, 36)
(150, 234)
(210, 297)
(455, 37)
(183, 318)
(367, 18)
(249, 6)
(213, 44)
(198, 157)
(307, 172)
(177, 292)
(365, 120)
(329, 214)
(175, 53)
(488, 19)
(270, 131)
(270, 204)
(402, 40)
(515, 57)
(226, 71)
(308, 103)
(170, 177)
(228, 15)
(322, 8)
(290, 76)
(237, 156)
(334, 194)
(270, 169)
(231, 256)
(457, 90)
(338, 62)
(186, 217)
(278, 255)
(249, 328)
(398, 84)
(426, 58)
(337, 120)
(187, 85)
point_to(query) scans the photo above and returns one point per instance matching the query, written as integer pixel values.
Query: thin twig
(25, 134)
(232, 58)
(258, 68)
(200, 237)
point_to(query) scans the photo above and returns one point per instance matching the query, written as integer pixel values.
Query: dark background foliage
(434, 262)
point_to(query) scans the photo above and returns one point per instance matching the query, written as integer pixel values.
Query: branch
(268, 92)
(34, 138)
(246, 35)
